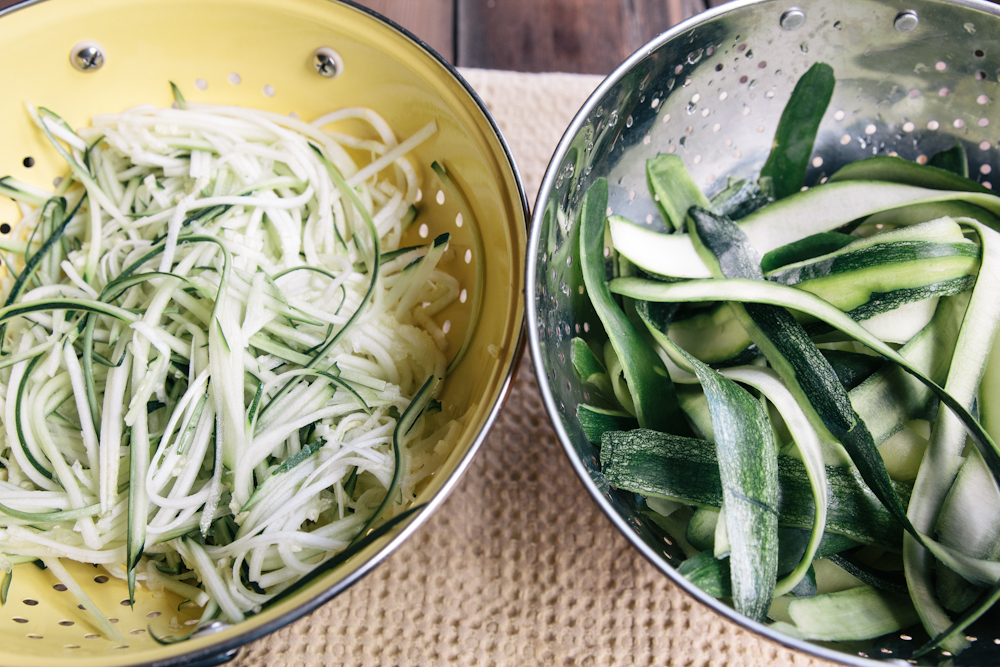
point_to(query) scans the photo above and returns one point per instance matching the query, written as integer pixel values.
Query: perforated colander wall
(712, 91)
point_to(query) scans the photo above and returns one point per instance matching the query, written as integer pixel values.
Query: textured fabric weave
(518, 567)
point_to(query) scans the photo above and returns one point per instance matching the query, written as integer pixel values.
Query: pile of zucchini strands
(215, 353)
(793, 394)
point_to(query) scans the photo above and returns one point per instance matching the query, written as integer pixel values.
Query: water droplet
(613, 118)
(694, 57)
(804, 47)
(628, 122)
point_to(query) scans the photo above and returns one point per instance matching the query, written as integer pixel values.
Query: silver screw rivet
(906, 21)
(327, 62)
(87, 57)
(793, 18)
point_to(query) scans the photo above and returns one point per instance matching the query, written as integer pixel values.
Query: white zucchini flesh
(980, 328)
(943, 458)
(856, 613)
(808, 444)
(820, 209)
(744, 290)
(810, 449)
(188, 255)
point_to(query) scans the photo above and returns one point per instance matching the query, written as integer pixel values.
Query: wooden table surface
(582, 36)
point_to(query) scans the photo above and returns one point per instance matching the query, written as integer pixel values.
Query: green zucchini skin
(883, 302)
(592, 373)
(596, 421)
(891, 169)
(818, 209)
(795, 357)
(675, 192)
(954, 160)
(712, 336)
(812, 246)
(687, 469)
(888, 256)
(893, 582)
(712, 574)
(740, 199)
(784, 173)
(820, 381)
(852, 368)
(649, 382)
(864, 283)
(701, 528)
(708, 573)
(748, 471)
(585, 362)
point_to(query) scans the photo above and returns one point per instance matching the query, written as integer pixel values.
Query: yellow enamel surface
(256, 53)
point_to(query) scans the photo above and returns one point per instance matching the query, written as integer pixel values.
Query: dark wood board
(433, 21)
(585, 36)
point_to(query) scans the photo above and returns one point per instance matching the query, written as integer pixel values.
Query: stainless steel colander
(912, 79)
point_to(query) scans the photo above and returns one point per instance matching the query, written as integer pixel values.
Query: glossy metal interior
(260, 53)
(712, 90)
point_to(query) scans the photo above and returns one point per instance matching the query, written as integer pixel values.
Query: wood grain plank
(586, 36)
(689, 8)
(433, 21)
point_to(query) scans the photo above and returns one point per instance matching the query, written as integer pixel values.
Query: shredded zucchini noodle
(218, 363)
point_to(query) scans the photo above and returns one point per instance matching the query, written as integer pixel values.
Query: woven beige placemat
(518, 567)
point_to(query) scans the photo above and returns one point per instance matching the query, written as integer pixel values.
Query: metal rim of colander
(549, 184)
(225, 650)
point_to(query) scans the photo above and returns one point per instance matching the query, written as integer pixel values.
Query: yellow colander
(303, 57)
